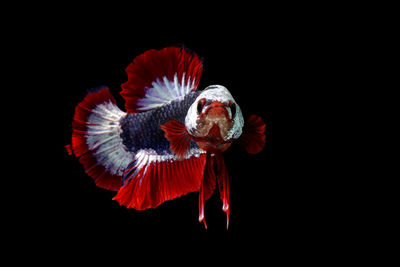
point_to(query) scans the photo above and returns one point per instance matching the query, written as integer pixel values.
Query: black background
(274, 65)
(304, 68)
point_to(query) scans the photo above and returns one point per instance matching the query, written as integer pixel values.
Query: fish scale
(142, 130)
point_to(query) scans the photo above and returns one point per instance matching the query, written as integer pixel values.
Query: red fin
(178, 137)
(210, 180)
(158, 181)
(223, 184)
(102, 177)
(81, 132)
(201, 204)
(207, 186)
(160, 67)
(253, 137)
(68, 148)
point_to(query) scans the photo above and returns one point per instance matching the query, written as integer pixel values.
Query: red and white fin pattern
(96, 139)
(153, 178)
(158, 77)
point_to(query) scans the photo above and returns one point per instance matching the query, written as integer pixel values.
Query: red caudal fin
(152, 179)
(253, 136)
(178, 137)
(157, 77)
(96, 140)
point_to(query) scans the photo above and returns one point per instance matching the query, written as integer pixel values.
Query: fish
(169, 140)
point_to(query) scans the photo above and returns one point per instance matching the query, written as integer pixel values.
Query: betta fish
(170, 139)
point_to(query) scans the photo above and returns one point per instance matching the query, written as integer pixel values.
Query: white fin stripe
(188, 88)
(97, 132)
(153, 156)
(103, 139)
(157, 91)
(155, 98)
(144, 157)
(193, 83)
(164, 91)
(149, 101)
(169, 91)
(100, 127)
(148, 107)
(100, 142)
(177, 86)
(95, 112)
(105, 107)
(182, 86)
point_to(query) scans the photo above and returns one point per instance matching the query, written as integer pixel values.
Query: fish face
(214, 120)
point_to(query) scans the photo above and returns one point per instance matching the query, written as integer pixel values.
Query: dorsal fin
(157, 77)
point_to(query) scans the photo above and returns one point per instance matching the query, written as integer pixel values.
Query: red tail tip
(204, 221)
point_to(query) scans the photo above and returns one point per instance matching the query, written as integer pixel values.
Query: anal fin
(223, 185)
(152, 179)
(207, 186)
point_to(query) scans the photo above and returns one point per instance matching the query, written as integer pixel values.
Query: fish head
(214, 120)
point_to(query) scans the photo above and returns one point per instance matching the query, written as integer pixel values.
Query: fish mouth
(213, 141)
(214, 124)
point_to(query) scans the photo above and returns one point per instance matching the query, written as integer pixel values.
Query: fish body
(142, 130)
(170, 139)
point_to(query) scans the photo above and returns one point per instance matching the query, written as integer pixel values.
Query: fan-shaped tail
(96, 139)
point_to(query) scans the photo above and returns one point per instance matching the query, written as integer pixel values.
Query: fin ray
(253, 137)
(160, 178)
(157, 77)
(178, 137)
(96, 140)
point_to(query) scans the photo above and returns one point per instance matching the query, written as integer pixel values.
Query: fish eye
(233, 108)
(200, 105)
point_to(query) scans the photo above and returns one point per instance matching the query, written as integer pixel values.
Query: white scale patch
(103, 138)
(165, 91)
(221, 94)
(145, 156)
